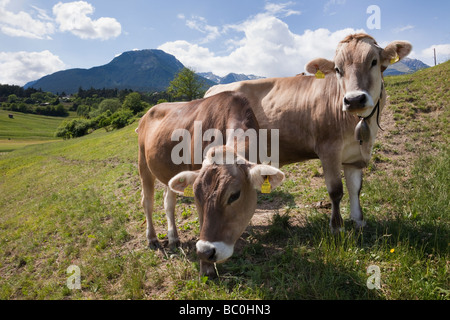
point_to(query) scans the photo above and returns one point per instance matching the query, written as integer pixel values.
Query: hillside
(141, 70)
(77, 202)
(24, 129)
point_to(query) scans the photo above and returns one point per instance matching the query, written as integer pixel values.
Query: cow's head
(225, 196)
(358, 64)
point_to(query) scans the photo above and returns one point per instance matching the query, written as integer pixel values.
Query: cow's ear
(259, 172)
(178, 183)
(324, 65)
(394, 52)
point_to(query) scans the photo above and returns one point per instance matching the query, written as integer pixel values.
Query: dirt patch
(399, 143)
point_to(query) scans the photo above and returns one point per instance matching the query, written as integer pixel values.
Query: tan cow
(333, 117)
(225, 191)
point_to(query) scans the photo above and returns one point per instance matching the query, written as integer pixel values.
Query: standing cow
(333, 116)
(223, 182)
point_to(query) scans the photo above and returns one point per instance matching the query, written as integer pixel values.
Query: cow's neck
(362, 129)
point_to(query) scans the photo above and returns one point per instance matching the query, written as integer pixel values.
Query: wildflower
(392, 250)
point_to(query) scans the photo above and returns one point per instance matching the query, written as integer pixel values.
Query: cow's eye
(337, 70)
(374, 62)
(234, 197)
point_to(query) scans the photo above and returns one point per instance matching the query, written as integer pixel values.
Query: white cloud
(268, 48)
(404, 28)
(42, 14)
(200, 24)
(73, 17)
(281, 9)
(330, 5)
(23, 24)
(427, 55)
(211, 32)
(20, 67)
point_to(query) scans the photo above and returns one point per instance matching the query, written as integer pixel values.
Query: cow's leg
(148, 191)
(170, 200)
(353, 180)
(332, 172)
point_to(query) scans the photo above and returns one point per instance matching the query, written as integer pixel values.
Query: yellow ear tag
(319, 74)
(188, 191)
(265, 187)
(394, 60)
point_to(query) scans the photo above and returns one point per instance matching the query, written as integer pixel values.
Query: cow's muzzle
(357, 101)
(214, 251)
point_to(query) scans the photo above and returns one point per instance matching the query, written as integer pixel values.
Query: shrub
(121, 118)
(74, 128)
(109, 104)
(133, 102)
(83, 110)
(79, 127)
(104, 119)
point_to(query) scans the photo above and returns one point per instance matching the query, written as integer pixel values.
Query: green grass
(26, 129)
(78, 202)
(422, 92)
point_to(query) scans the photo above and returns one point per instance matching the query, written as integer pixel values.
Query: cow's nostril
(212, 254)
(362, 99)
(353, 101)
(207, 255)
(346, 101)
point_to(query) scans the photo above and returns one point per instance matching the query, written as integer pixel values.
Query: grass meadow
(25, 129)
(77, 202)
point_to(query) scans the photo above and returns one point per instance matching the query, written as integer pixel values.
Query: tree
(121, 118)
(186, 84)
(133, 102)
(83, 110)
(73, 128)
(109, 104)
(12, 98)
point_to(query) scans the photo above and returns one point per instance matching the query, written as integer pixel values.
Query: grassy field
(77, 202)
(25, 129)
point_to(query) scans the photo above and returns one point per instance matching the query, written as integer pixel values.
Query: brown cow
(224, 190)
(320, 117)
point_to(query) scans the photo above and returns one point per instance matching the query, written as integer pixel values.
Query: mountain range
(152, 70)
(140, 70)
(407, 65)
(229, 78)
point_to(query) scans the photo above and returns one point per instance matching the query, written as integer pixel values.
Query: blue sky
(267, 38)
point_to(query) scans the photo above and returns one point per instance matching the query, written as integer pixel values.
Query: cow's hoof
(359, 225)
(175, 243)
(154, 244)
(337, 230)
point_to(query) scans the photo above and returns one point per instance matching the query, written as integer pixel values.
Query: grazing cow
(224, 190)
(333, 116)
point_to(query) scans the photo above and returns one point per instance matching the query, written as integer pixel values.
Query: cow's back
(306, 111)
(223, 111)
